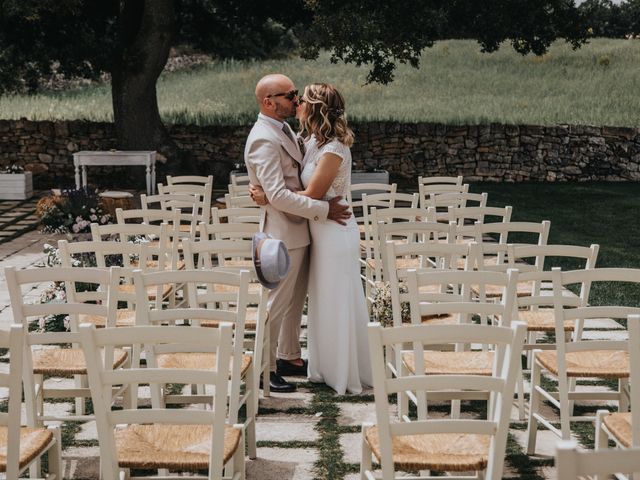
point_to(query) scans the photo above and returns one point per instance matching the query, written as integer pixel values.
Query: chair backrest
(12, 339)
(589, 308)
(190, 180)
(148, 216)
(242, 201)
(102, 379)
(633, 325)
(518, 233)
(228, 231)
(572, 463)
(382, 201)
(191, 206)
(429, 187)
(458, 200)
(239, 178)
(466, 217)
(354, 194)
(501, 384)
(238, 190)
(203, 192)
(236, 215)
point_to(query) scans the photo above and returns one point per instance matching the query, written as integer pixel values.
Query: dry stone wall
(479, 152)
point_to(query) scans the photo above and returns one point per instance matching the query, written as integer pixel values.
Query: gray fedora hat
(270, 259)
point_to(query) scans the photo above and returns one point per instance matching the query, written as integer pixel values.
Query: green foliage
(608, 19)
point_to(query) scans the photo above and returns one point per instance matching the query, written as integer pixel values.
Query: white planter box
(360, 176)
(16, 186)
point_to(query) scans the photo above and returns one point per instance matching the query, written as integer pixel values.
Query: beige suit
(274, 162)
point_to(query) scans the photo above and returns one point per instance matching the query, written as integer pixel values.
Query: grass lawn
(456, 84)
(582, 214)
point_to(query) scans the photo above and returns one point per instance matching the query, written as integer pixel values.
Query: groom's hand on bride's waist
(338, 212)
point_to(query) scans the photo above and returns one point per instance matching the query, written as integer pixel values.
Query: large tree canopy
(131, 39)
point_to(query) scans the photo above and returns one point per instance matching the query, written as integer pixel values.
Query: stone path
(17, 217)
(310, 434)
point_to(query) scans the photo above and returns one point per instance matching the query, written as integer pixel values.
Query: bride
(337, 314)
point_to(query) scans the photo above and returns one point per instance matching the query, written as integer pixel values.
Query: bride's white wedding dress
(337, 314)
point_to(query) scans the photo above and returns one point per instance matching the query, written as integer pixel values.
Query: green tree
(131, 40)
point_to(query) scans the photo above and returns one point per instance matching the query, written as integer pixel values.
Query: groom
(274, 162)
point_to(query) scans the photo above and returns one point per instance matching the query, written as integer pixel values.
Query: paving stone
(88, 431)
(286, 428)
(545, 443)
(355, 414)
(351, 444)
(81, 463)
(605, 335)
(285, 401)
(282, 464)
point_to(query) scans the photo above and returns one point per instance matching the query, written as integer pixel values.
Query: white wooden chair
(434, 293)
(380, 201)
(354, 194)
(623, 428)
(580, 358)
(191, 206)
(236, 190)
(203, 192)
(200, 180)
(429, 187)
(572, 463)
(234, 256)
(23, 447)
(466, 218)
(161, 438)
(49, 358)
(207, 308)
(236, 215)
(452, 445)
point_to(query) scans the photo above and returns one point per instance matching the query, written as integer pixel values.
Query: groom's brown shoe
(289, 369)
(278, 384)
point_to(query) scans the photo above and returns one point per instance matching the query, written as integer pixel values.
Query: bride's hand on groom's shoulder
(257, 195)
(338, 212)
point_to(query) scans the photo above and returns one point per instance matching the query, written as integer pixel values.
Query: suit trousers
(285, 308)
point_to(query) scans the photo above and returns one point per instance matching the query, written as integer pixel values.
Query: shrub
(72, 212)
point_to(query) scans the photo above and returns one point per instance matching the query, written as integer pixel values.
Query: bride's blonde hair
(324, 115)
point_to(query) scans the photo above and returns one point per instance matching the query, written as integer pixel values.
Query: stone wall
(480, 153)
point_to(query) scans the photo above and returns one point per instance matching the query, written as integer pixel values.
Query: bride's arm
(323, 176)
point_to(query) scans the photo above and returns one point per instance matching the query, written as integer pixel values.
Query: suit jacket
(274, 162)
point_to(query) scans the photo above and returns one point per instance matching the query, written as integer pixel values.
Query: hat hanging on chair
(270, 259)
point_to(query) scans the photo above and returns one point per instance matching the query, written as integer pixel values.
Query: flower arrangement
(72, 212)
(382, 308)
(13, 168)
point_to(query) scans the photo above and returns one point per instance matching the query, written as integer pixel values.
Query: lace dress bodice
(341, 183)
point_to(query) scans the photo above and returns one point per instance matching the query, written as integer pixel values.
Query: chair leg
(521, 410)
(534, 405)
(571, 388)
(602, 439)
(565, 412)
(54, 455)
(266, 372)
(251, 414)
(365, 459)
(39, 401)
(623, 389)
(238, 459)
(403, 399)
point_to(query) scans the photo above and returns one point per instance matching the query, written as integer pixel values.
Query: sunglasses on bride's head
(290, 95)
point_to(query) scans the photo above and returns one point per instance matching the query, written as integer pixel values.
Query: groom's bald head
(272, 83)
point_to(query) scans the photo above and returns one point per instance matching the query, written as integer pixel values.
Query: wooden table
(146, 159)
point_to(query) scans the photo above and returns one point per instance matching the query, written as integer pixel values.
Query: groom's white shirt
(273, 161)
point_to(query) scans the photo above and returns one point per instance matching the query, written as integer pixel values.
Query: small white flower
(93, 218)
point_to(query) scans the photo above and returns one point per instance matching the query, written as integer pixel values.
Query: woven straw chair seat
(594, 363)
(152, 264)
(446, 319)
(124, 318)
(449, 452)
(542, 320)
(619, 424)
(197, 361)
(219, 288)
(33, 441)
(400, 262)
(250, 323)
(151, 290)
(67, 361)
(176, 447)
(452, 363)
(239, 263)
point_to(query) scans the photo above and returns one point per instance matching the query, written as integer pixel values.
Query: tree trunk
(146, 32)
